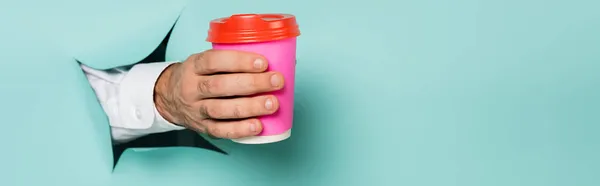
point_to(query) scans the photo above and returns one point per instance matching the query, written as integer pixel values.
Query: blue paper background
(410, 92)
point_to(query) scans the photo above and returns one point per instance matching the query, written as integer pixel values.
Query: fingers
(240, 84)
(232, 129)
(224, 73)
(231, 61)
(239, 107)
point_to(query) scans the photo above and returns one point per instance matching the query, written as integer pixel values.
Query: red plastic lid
(249, 28)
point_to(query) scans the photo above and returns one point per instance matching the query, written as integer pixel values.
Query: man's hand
(208, 93)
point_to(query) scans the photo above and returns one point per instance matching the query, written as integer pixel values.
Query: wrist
(162, 94)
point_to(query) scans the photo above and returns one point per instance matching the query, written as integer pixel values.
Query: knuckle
(212, 130)
(239, 79)
(203, 109)
(252, 81)
(207, 85)
(237, 111)
(201, 61)
(204, 86)
(215, 131)
(196, 58)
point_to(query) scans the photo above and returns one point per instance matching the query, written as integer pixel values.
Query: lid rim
(249, 28)
(254, 39)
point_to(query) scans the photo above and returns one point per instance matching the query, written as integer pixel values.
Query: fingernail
(252, 126)
(269, 104)
(275, 80)
(258, 63)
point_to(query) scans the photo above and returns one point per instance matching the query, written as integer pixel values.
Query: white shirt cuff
(136, 100)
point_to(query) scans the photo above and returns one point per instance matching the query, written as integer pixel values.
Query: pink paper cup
(274, 37)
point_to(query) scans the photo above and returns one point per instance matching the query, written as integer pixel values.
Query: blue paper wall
(428, 92)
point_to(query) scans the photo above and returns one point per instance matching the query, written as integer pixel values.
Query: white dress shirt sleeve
(127, 96)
